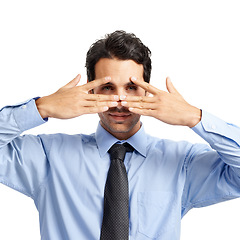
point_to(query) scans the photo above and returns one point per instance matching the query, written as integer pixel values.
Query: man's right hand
(72, 101)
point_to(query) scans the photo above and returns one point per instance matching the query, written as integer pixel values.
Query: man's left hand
(169, 107)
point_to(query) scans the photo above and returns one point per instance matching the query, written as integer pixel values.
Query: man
(66, 175)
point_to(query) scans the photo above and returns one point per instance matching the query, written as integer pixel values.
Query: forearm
(16, 119)
(222, 137)
(23, 162)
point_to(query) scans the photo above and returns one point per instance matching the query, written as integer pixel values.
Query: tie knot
(118, 151)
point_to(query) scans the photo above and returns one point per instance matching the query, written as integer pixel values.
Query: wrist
(195, 118)
(41, 106)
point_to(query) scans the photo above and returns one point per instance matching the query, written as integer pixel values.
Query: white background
(43, 45)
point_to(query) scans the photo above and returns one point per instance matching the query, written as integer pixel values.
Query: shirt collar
(105, 140)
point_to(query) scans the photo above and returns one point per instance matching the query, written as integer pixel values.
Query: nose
(121, 93)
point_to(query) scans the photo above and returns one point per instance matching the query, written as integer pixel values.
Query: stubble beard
(119, 127)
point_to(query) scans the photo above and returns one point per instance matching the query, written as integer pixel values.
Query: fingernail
(105, 108)
(133, 78)
(116, 97)
(122, 97)
(114, 104)
(108, 78)
(124, 103)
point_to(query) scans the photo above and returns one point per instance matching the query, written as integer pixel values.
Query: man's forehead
(118, 67)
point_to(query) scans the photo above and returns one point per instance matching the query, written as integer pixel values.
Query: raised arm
(212, 173)
(23, 159)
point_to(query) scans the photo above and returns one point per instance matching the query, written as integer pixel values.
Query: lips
(119, 116)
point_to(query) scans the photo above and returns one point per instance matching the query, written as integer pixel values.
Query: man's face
(120, 122)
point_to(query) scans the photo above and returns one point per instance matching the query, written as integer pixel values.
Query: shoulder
(172, 148)
(155, 142)
(65, 140)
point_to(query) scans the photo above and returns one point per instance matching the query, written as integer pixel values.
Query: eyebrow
(130, 83)
(109, 83)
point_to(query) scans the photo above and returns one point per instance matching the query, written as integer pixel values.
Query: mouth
(119, 117)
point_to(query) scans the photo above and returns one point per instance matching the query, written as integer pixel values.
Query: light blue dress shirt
(65, 175)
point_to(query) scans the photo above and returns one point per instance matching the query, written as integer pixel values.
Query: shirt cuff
(211, 128)
(27, 116)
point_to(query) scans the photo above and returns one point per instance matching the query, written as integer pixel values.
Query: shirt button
(213, 127)
(24, 106)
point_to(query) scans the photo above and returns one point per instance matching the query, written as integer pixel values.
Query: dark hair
(120, 45)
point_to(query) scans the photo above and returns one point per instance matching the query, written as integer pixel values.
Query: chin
(119, 129)
(123, 129)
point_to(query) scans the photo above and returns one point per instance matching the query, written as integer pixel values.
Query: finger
(146, 86)
(95, 83)
(139, 99)
(91, 110)
(99, 104)
(101, 97)
(170, 86)
(144, 112)
(74, 82)
(141, 105)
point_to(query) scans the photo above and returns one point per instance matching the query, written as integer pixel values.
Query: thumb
(74, 82)
(170, 87)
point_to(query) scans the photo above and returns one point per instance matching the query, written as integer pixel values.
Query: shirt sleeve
(212, 172)
(23, 162)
